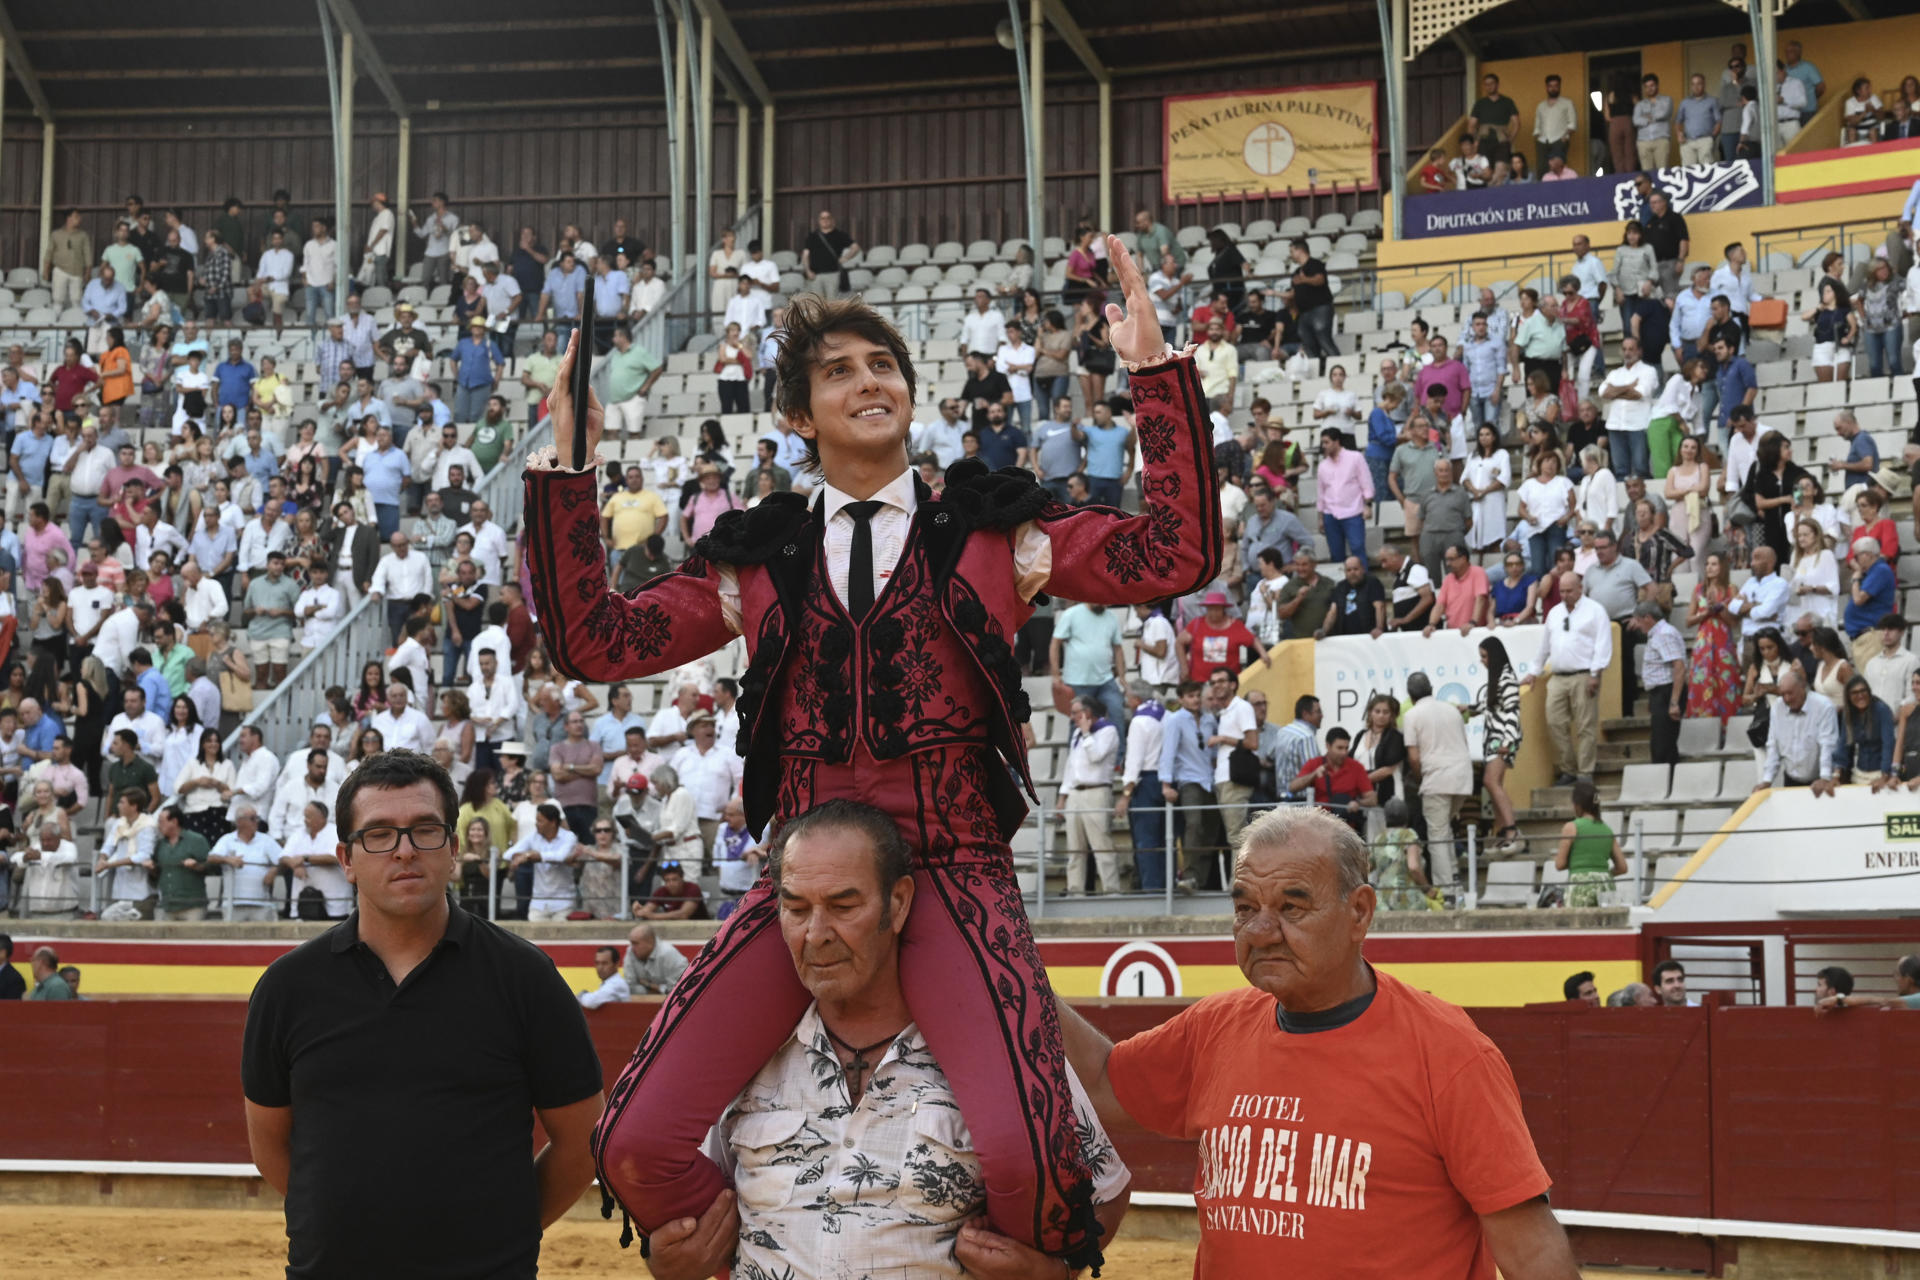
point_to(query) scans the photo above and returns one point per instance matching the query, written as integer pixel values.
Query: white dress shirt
(133, 840)
(552, 874)
(1624, 413)
(1090, 758)
(613, 991)
(492, 639)
(315, 627)
(984, 331)
(1235, 722)
(458, 456)
(276, 268)
(1742, 455)
(399, 577)
(294, 769)
(118, 637)
(411, 656)
(1145, 735)
(1576, 640)
(489, 550)
(792, 1140)
(327, 877)
(290, 800)
(203, 603)
(711, 779)
(1800, 744)
(260, 854)
(253, 782)
(409, 729)
(161, 537)
(497, 708)
(148, 728)
(258, 540)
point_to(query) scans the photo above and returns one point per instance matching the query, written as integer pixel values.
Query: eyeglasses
(603, 831)
(423, 836)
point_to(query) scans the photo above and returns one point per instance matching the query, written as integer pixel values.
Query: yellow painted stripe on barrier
(1479, 983)
(1483, 984)
(1707, 850)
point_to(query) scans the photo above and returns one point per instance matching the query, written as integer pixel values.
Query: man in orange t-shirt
(1348, 1124)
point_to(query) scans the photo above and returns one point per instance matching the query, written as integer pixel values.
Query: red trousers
(974, 984)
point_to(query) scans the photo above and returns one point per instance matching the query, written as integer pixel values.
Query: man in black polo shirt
(1666, 235)
(1313, 299)
(414, 1043)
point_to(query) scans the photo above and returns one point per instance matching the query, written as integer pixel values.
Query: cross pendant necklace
(859, 1066)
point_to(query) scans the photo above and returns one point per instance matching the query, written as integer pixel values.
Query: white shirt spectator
(1800, 744)
(276, 270)
(1145, 735)
(1547, 500)
(257, 540)
(489, 550)
(402, 578)
(49, 883)
(1576, 640)
(645, 297)
(260, 855)
(294, 769)
(410, 729)
(1890, 675)
(1742, 455)
(1234, 722)
(202, 603)
(613, 991)
(492, 639)
(711, 779)
(253, 783)
(553, 873)
(1005, 356)
(1625, 413)
(1435, 729)
(658, 972)
(320, 262)
(458, 456)
(327, 877)
(148, 728)
(133, 840)
(411, 656)
(497, 708)
(940, 438)
(161, 537)
(678, 819)
(1164, 670)
(315, 627)
(748, 310)
(290, 800)
(1091, 758)
(119, 636)
(1736, 285)
(983, 331)
(89, 605)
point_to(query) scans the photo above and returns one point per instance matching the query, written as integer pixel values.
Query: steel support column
(766, 178)
(1765, 53)
(402, 190)
(703, 173)
(1393, 196)
(342, 198)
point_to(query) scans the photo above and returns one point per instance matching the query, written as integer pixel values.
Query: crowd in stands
(1646, 126)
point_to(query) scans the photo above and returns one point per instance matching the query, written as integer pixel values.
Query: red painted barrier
(1762, 1114)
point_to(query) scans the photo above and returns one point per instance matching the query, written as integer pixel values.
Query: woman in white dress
(182, 743)
(723, 269)
(1815, 575)
(1489, 471)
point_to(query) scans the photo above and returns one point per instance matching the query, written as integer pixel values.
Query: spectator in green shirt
(537, 373)
(1153, 238)
(270, 601)
(1495, 119)
(130, 771)
(492, 435)
(47, 982)
(170, 657)
(181, 857)
(631, 372)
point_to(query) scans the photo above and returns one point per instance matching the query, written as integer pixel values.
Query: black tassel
(626, 1234)
(606, 1203)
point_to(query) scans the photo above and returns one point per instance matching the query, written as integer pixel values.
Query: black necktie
(860, 564)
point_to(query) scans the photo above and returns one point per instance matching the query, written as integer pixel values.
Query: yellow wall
(1883, 50)
(1524, 80)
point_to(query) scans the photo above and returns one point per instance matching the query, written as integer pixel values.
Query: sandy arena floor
(57, 1243)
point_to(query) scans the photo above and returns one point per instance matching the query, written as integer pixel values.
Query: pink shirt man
(1458, 595)
(34, 546)
(1346, 486)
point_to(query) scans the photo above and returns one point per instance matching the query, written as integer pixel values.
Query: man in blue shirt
(1298, 743)
(151, 682)
(234, 376)
(1186, 781)
(1863, 455)
(1002, 444)
(31, 450)
(1871, 599)
(385, 470)
(1486, 361)
(1736, 382)
(1109, 455)
(261, 461)
(478, 366)
(560, 298)
(41, 727)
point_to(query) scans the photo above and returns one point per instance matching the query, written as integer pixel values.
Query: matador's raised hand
(1134, 332)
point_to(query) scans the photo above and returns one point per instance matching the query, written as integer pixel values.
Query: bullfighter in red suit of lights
(914, 707)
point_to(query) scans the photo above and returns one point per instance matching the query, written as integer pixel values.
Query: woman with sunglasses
(600, 871)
